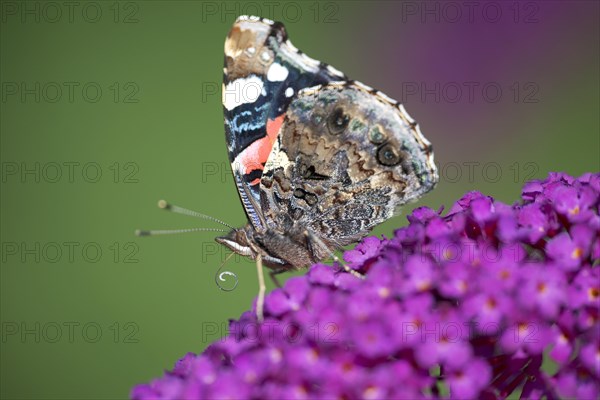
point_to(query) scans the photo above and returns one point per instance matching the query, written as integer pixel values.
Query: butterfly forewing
(263, 73)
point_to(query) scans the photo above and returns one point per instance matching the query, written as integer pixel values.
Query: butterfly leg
(260, 301)
(312, 237)
(273, 274)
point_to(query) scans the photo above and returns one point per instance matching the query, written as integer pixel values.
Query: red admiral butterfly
(318, 159)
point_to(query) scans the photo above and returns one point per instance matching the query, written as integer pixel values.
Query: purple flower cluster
(488, 299)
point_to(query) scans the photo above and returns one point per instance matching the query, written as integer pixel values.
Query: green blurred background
(109, 106)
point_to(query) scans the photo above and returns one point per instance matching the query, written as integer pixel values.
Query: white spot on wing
(265, 56)
(424, 140)
(310, 61)
(291, 46)
(335, 71)
(277, 158)
(304, 61)
(242, 91)
(248, 18)
(406, 114)
(386, 98)
(277, 73)
(289, 92)
(311, 90)
(363, 86)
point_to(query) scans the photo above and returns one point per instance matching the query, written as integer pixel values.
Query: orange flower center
(541, 287)
(574, 210)
(370, 392)
(491, 303)
(384, 292)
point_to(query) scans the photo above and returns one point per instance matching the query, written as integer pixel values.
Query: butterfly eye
(388, 155)
(337, 121)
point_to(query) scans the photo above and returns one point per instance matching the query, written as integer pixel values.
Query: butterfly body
(319, 160)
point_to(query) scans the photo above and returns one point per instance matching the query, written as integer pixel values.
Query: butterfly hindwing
(346, 157)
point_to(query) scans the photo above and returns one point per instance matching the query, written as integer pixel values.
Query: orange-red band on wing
(256, 155)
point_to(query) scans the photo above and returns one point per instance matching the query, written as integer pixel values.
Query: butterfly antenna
(219, 276)
(180, 210)
(157, 232)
